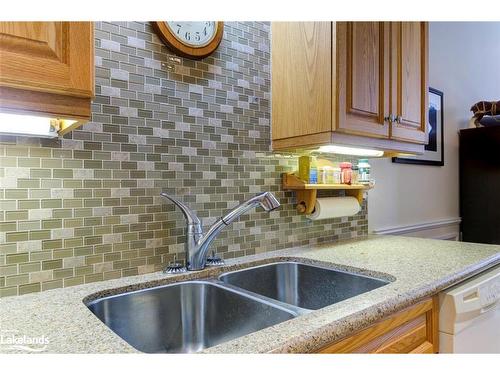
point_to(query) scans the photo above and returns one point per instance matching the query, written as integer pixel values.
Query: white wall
(464, 63)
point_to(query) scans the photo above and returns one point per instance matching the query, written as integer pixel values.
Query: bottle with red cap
(346, 173)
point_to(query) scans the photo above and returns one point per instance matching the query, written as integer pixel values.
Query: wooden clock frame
(184, 50)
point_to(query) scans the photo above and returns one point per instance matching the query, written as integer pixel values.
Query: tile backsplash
(87, 208)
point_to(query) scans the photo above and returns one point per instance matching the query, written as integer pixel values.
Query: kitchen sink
(302, 285)
(185, 317)
(189, 316)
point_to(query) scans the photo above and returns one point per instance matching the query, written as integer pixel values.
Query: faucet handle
(189, 214)
(214, 260)
(175, 267)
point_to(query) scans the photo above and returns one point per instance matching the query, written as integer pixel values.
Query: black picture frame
(439, 163)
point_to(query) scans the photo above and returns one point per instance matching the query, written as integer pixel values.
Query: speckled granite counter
(419, 268)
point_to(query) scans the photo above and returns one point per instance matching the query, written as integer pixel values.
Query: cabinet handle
(393, 118)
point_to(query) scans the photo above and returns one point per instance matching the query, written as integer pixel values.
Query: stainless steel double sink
(189, 316)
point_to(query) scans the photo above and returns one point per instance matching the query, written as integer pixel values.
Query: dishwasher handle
(476, 301)
(489, 307)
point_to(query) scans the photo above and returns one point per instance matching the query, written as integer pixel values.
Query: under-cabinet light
(30, 126)
(345, 150)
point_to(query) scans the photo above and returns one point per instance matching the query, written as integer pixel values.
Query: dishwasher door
(469, 315)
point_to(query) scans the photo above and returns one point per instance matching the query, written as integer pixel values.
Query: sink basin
(185, 317)
(303, 285)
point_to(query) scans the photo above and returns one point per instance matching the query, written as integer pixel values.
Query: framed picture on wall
(434, 150)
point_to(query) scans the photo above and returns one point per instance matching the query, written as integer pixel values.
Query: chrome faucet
(197, 243)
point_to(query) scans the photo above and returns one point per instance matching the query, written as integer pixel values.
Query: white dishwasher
(469, 315)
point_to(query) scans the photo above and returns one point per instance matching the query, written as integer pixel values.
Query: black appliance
(480, 184)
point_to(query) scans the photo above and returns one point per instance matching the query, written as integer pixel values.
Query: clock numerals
(190, 39)
(193, 34)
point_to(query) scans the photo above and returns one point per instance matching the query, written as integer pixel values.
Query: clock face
(194, 34)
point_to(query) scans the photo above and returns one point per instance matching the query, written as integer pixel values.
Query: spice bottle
(364, 170)
(345, 172)
(322, 175)
(329, 175)
(355, 175)
(336, 176)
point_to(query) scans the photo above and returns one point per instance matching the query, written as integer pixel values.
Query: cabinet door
(301, 79)
(413, 330)
(363, 78)
(409, 81)
(49, 57)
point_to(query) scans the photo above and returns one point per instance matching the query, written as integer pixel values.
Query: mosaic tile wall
(87, 208)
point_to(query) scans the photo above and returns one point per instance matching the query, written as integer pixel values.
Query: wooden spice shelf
(306, 193)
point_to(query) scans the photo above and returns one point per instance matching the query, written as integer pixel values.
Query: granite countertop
(419, 268)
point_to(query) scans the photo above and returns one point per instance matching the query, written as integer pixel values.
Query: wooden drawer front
(413, 330)
(402, 339)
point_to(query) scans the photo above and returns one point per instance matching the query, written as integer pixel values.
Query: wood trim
(433, 324)
(64, 128)
(302, 141)
(425, 84)
(44, 104)
(165, 34)
(334, 78)
(313, 141)
(412, 330)
(415, 228)
(424, 348)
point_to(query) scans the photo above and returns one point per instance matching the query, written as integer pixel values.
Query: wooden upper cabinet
(47, 68)
(409, 81)
(363, 84)
(301, 74)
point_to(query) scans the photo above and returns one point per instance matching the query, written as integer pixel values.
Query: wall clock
(190, 39)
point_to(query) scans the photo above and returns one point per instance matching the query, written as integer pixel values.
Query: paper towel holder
(307, 193)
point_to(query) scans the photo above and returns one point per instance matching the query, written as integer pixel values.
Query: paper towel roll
(327, 208)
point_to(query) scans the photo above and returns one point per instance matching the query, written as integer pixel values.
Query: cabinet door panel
(409, 80)
(36, 39)
(301, 78)
(363, 77)
(53, 57)
(413, 330)
(363, 72)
